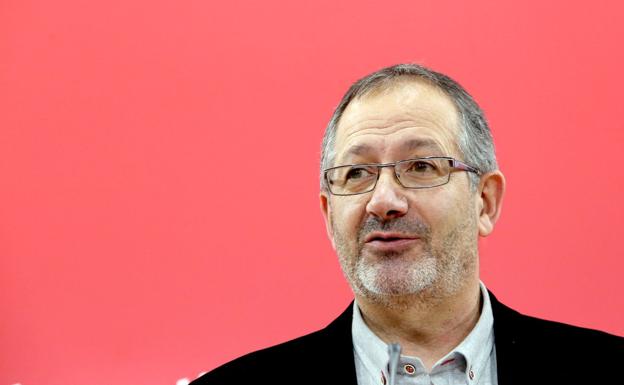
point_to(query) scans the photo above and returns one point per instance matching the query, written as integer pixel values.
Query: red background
(131, 253)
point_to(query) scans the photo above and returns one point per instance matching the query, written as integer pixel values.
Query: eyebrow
(409, 145)
(417, 144)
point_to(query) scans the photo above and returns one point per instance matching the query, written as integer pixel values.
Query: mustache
(409, 226)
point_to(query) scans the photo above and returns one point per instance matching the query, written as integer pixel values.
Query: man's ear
(490, 200)
(326, 211)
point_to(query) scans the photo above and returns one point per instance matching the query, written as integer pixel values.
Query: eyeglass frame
(455, 165)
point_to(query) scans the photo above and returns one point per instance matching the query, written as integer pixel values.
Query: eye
(357, 173)
(422, 167)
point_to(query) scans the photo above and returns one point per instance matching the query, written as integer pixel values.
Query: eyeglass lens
(414, 173)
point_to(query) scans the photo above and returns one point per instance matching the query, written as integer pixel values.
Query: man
(409, 182)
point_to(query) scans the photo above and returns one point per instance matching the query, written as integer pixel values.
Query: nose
(387, 200)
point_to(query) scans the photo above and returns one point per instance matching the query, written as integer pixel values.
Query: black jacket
(528, 351)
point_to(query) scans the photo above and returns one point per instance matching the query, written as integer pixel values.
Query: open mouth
(390, 241)
(386, 239)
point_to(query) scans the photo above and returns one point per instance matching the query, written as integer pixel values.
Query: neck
(427, 327)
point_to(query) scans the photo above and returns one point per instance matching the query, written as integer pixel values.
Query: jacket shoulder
(265, 362)
(519, 327)
(562, 336)
(559, 352)
(297, 360)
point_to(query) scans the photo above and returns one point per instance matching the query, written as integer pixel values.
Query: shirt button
(409, 369)
(471, 374)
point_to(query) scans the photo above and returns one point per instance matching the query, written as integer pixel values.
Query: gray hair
(475, 140)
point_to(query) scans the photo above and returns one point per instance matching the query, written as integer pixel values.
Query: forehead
(411, 118)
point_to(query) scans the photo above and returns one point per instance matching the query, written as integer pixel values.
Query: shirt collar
(478, 344)
(474, 349)
(370, 349)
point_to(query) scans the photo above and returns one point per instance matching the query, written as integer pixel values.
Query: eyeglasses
(416, 173)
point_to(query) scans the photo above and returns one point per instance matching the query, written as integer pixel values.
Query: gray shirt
(472, 362)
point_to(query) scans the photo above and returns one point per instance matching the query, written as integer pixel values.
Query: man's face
(394, 241)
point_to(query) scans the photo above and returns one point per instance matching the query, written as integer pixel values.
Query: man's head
(395, 242)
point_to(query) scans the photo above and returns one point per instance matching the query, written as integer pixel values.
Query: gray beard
(391, 279)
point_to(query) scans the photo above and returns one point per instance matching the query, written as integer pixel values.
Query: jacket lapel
(337, 346)
(507, 326)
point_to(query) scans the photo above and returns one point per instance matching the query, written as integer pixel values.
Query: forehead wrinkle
(422, 117)
(411, 98)
(380, 130)
(408, 145)
(383, 131)
(383, 115)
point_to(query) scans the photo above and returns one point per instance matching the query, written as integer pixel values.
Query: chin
(392, 278)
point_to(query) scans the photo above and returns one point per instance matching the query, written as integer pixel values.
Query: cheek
(442, 210)
(347, 217)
